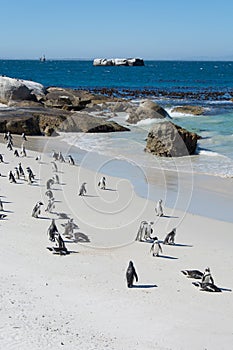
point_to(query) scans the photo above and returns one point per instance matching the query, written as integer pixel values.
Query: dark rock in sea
(195, 110)
(147, 110)
(166, 139)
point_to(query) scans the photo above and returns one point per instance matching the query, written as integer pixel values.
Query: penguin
(9, 145)
(24, 136)
(38, 158)
(170, 238)
(11, 177)
(49, 194)
(1, 158)
(49, 183)
(71, 160)
(52, 230)
(55, 155)
(21, 172)
(16, 173)
(23, 152)
(1, 205)
(69, 228)
(207, 287)
(50, 206)
(131, 274)
(56, 179)
(196, 274)
(16, 153)
(60, 244)
(156, 247)
(36, 210)
(207, 278)
(140, 233)
(82, 190)
(102, 183)
(159, 208)
(61, 158)
(9, 136)
(148, 230)
(31, 173)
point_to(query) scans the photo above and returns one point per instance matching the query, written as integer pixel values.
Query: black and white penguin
(170, 238)
(102, 183)
(71, 160)
(156, 247)
(52, 230)
(49, 183)
(11, 177)
(82, 190)
(196, 274)
(36, 210)
(159, 208)
(131, 274)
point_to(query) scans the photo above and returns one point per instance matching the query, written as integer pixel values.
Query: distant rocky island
(118, 62)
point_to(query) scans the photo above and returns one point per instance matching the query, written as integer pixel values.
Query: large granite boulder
(40, 121)
(195, 110)
(169, 140)
(17, 89)
(27, 125)
(82, 122)
(67, 99)
(146, 110)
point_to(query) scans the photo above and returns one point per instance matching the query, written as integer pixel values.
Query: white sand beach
(81, 300)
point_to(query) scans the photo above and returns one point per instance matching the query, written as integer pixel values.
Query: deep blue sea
(175, 83)
(169, 75)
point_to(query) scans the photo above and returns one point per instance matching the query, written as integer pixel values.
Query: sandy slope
(80, 301)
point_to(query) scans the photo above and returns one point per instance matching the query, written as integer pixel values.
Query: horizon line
(206, 59)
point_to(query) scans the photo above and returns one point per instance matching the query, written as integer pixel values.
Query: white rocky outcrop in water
(118, 62)
(18, 89)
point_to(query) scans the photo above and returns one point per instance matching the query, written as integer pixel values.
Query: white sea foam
(209, 153)
(178, 114)
(149, 121)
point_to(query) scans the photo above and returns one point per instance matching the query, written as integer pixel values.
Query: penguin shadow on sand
(169, 217)
(167, 257)
(110, 189)
(62, 216)
(89, 196)
(181, 245)
(3, 217)
(143, 286)
(80, 237)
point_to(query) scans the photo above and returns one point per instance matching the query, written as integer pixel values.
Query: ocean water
(214, 154)
(209, 84)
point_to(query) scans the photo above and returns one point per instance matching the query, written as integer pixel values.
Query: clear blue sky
(150, 29)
